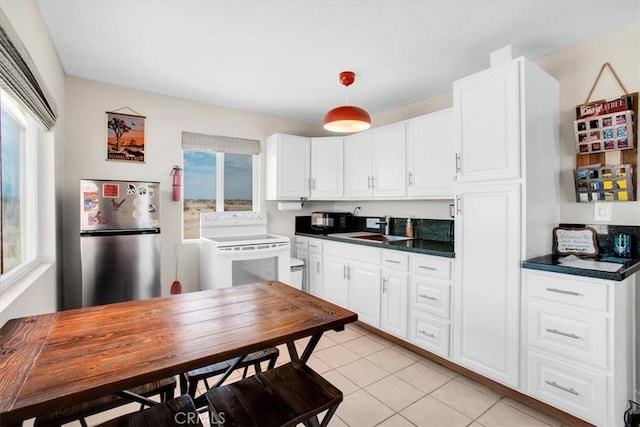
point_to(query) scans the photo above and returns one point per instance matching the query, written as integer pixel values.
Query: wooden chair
(165, 388)
(189, 380)
(285, 396)
(175, 412)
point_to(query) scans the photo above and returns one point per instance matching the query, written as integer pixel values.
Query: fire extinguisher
(176, 172)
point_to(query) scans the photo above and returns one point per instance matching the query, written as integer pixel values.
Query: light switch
(602, 211)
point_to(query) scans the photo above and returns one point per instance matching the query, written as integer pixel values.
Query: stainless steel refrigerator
(119, 241)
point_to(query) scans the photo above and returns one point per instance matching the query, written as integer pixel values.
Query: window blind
(19, 77)
(224, 144)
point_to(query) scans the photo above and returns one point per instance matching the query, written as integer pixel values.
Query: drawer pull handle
(568, 390)
(426, 334)
(562, 291)
(392, 261)
(564, 334)
(427, 267)
(428, 297)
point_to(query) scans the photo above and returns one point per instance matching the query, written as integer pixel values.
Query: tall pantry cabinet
(506, 137)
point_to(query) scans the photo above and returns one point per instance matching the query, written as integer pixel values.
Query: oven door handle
(255, 249)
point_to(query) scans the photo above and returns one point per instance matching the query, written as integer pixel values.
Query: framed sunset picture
(125, 137)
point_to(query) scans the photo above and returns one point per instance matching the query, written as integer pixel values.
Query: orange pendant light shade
(347, 118)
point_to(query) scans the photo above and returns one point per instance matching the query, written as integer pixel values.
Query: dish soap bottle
(409, 228)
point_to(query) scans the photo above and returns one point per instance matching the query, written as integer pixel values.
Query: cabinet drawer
(577, 391)
(431, 295)
(569, 333)
(571, 290)
(395, 260)
(351, 251)
(430, 334)
(302, 243)
(431, 266)
(315, 246)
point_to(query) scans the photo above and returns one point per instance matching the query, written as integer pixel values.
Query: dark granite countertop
(551, 263)
(418, 246)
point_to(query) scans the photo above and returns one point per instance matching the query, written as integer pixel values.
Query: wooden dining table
(52, 361)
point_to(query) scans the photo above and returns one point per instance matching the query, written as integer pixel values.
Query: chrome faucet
(386, 223)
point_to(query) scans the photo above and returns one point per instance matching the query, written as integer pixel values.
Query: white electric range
(235, 249)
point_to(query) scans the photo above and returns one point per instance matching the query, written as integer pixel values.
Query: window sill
(8, 296)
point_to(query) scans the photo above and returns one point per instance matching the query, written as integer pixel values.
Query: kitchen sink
(371, 237)
(383, 238)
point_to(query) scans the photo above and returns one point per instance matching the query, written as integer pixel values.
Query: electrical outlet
(600, 228)
(602, 211)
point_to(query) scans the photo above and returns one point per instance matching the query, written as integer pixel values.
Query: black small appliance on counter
(331, 222)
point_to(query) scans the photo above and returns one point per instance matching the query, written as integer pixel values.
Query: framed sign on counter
(575, 241)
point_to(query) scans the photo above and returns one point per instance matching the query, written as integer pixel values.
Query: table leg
(306, 354)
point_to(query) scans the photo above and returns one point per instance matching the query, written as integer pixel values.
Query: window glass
(18, 137)
(238, 177)
(215, 181)
(200, 176)
(13, 191)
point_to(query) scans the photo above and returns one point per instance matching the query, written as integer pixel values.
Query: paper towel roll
(289, 206)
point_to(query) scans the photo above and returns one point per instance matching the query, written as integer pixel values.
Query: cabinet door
(292, 168)
(336, 285)
(487, 280)
(327, 168)
(487, 124)
(390, 161)
(303, 255)
(358, 160)
(394, 315)
(364, 292)
(431, 155)
(315, 274)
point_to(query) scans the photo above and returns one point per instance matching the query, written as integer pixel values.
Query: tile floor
(388, 386)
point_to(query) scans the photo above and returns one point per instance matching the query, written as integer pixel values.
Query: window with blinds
(220, 174)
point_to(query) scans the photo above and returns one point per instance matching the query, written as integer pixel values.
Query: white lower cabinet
(429, 333)
(578, 344)
(314, 274)
(430, 302)
(364, 291)
(486, 295)
(351, 279)
(395, 293)
(314, 268)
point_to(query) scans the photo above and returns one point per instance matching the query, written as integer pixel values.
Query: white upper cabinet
(487, 124)
(358, 160)
(390, 161)
(327, 168)
(431, 155)
(287, 167)
(375, 163)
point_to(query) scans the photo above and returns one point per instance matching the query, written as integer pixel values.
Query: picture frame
(125, 137)
(575, 241)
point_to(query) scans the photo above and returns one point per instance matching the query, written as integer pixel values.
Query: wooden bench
(285, 396)
(175, 412)
(189, 380)
(165, 388)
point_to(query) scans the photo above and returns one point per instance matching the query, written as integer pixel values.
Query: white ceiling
(283, 57)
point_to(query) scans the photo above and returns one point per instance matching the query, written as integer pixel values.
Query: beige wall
(37, 293)
(167, 117)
